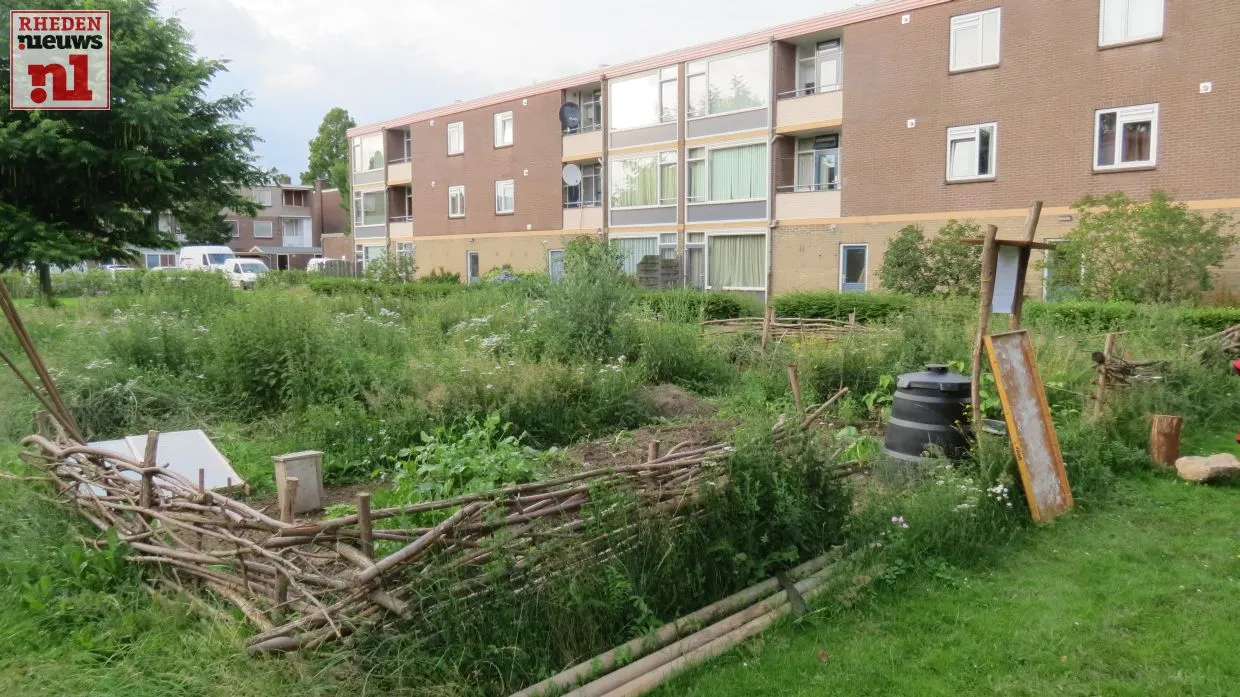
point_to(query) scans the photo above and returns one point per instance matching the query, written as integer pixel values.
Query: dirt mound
(630, 447)
(671, 402)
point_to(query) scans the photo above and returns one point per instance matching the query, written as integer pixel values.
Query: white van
(207, 258)
(242, 273)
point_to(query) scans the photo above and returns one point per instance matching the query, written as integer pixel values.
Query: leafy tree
(584, 309)
(329, 153)
(1156, 251)
(88, 185)
(904, 268)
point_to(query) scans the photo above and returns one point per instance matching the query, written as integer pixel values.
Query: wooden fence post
(286, 516)
(1100, 395)
(1031, 231)
(767, 319)
(990, 259)
(364, 525)
(795, 380)
(1165, 439)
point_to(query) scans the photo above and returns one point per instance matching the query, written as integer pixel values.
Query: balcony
(400, 226)
(583, 217)
(400, 171)
(818, 100)
(807, 202)
(583, 145)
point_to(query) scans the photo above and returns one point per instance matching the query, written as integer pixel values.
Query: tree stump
(1165, 440)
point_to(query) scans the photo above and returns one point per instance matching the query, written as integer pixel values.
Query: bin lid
(936, 376)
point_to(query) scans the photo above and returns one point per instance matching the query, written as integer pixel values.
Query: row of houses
(787, 158)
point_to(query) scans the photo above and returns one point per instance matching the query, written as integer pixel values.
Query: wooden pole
(767, 319)
(652, 451)
(990, 259)
(1165, 439)
(1031, 231)
(286, 516)
(1100, 396)
(795, 380)
(364, 525)
(148, 461)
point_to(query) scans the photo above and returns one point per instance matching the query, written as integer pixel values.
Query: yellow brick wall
(522, 252)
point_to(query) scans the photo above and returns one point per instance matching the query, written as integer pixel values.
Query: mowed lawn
(1139, 598)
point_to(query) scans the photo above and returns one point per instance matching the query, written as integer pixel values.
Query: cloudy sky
(385, 58)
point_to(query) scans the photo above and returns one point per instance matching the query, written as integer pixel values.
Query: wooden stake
(795, 380)
(652, 451)
(148, 461)
(1100, 395)
(364, 525)
(990, 259)
(1165, 439)
(286, 516)
(1031, 231)
(767, 319)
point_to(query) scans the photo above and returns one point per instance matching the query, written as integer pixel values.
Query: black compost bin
(929, 414)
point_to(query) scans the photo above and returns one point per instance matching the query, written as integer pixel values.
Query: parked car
(243, 273)
(206, 258)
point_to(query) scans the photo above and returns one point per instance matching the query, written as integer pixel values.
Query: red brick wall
(532, 162)
(1051, 78)
(247, 241)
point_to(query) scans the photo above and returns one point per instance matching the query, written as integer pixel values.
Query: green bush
(689, 305)
(1083, 314)
(338, 285)
(870, 307)
(675, 353)
(440, 275)
(283, 279)
(584, 309)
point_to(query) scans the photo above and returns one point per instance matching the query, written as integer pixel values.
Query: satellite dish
(570, 116)
(571, 174)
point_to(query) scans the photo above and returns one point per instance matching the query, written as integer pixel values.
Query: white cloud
(385, 58)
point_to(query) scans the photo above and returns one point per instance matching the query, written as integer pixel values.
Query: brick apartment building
(288, 230)
(786, 159)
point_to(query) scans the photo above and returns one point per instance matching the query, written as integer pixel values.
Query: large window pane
(635, 182)
(736, 261)
(368, 152)
(634, 102)
(738, 173)
(633, 250)
(738, 82)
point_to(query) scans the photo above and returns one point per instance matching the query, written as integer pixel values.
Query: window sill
(455, 217)
(973, 69)
(725, 113)
(1130, 42)
(501, 147)
(456, 154)
(505, 213)
(1141, 167)
(970, 180)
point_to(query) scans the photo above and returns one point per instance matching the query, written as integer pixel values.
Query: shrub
(338, 285)
(1094, 316)
(870, 307)
(905, 268)
(1156, 251)
(944, 265)
(283, 279)
(675, 353)
(584, 309)
(689, 305)
(440, 275)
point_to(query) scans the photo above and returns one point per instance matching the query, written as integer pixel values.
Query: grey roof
(287, 250)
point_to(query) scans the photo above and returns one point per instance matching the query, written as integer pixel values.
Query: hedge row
(870, 307)
(337, 285)
(1103, 316)
(688, 305)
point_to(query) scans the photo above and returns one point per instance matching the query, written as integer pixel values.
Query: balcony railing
(584, 128)
(400, 160)
(818, 74)
(401, 218)
(818, 186)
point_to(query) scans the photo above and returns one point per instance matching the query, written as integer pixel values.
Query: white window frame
(702, 67)
(549, 253)
(661, 75)
(635, 236)
(473, 254)
(510, 185)
(359, 212)
(270, 230)
(453, 191)
(456, 138)
(1125, 115)
(235, 232)
(766, 252)
(658, 166)
(959, 133)
(866, 277)
(1125, 8)
(263, 197)
(404, 249)
(500, 119)
(706, 163)
(359, 166)
(799, 186)
(976, 19)
(665, 245)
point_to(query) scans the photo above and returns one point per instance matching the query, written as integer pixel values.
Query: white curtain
(633, 250)
(738, 173)
(736, 261)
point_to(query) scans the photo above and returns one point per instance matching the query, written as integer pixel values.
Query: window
(736, 262)
(975, 40)
(728, 83)
(971, 152)
(366, 254)
(263, 197)
(1125, 21)
(406, 145)
(262, 229)
(234, 229)
(853, 260)
(503, 129)
(734, 173)
(368, 152)
(505, 197)
(822, 69)
(404, 254)
(473, 272)
(645, 100)
(295, 198)
(555, 265)
(456, 137)
(1126, 137)
(1059, 279)
(818, 163)
(369, 208)
(402, 204)
(456, 201)
(591, 102)
(646, 180)
(296, 232)
(633, 250)
(695, 260)
(589, 193)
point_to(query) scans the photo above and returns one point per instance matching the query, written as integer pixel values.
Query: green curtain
(635, 182)
(736, 261)
(738, 173)
(633, 250)
(667, 183)
(697, 181)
